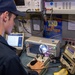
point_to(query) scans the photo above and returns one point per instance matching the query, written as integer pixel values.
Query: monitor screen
(34, 48)
(15, 40)
(19, 2)
(71, 50)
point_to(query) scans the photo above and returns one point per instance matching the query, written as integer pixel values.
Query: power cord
(22, 25)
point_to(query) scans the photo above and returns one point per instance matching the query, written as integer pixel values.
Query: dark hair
(10, 14)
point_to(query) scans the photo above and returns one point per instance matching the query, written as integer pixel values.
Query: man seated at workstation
(9, 62)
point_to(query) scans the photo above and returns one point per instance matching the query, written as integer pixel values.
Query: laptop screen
(15, 40)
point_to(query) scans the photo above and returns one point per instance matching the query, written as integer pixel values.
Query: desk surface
(25, 60)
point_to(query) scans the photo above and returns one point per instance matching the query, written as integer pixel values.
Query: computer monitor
(15, 40)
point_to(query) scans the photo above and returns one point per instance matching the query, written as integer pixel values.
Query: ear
(4, 16)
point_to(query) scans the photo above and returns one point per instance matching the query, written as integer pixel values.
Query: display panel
(19, 2)
(71, 50)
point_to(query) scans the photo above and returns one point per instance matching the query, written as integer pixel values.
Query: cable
(23, 22)
(27, 10)
(44, 67)
(51, 14)
(22, 25)
(58, 18)
(55, 18)
(64, 20)
(26, 29)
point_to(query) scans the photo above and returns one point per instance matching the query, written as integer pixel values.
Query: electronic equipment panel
(68, 63)
(29, 5)
(70, 51)
(60, 6)
(33, 44)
